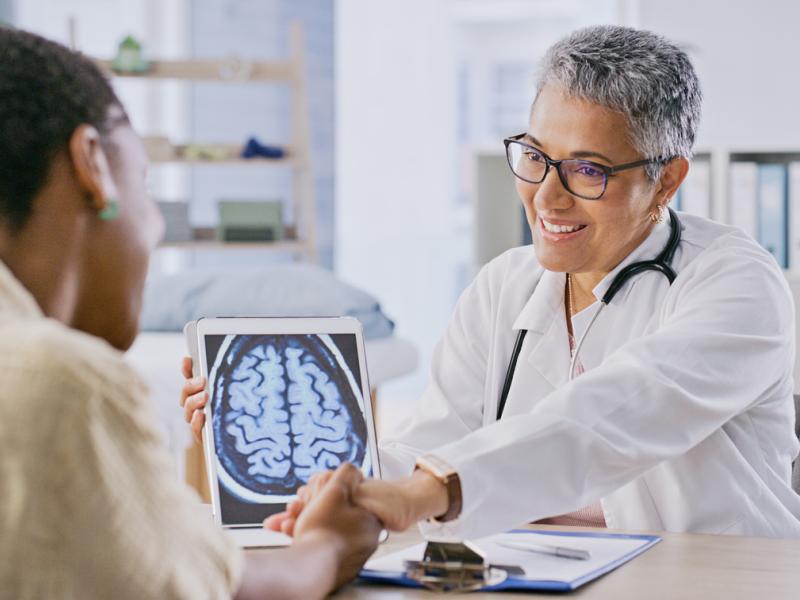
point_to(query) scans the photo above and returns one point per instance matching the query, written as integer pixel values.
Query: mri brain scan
(284, 407)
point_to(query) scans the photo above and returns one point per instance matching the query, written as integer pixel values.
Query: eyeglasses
(582, 178)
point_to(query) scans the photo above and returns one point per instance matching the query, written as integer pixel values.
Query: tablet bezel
(278, 326)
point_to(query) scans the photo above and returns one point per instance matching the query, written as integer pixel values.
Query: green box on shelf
(250, 220)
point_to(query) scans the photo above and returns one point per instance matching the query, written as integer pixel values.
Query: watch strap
(448, 476)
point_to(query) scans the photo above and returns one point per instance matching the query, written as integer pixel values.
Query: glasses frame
(549, 162)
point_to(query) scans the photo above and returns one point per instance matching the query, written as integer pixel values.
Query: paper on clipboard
(542, 571)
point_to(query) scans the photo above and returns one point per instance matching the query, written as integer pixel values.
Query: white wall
(6, 11)
(395, 162)
(746, 55)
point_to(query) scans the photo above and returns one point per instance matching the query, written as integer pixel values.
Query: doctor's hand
(397, 504)
(193, 399)
(285, 521)
(401, 503)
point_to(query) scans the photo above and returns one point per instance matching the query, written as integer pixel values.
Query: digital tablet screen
(283, 407)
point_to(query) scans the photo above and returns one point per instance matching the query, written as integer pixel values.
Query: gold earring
(657, 216)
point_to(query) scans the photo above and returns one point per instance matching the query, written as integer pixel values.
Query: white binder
(744, 197)
(794, 216)
(695, 193)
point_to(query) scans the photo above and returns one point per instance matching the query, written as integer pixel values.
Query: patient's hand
(285, 521)
(333, 539)
(397, 504)
(193, 398)
(332, 516)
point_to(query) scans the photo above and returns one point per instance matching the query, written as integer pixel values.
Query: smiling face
(571, 234)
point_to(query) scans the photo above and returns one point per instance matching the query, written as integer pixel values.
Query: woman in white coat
(680, 414)
(680, 417)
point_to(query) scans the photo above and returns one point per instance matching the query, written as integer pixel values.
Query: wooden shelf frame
(161, 150)
(290, 72)
(231, 70)
(294, 246)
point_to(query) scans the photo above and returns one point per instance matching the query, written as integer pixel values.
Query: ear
(92, 168)
(672, 175)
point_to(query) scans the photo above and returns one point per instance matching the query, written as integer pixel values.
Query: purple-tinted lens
(583, 178)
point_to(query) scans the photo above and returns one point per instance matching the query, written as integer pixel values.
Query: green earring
(111, 211)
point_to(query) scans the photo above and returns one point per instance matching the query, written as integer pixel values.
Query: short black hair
(46, 92)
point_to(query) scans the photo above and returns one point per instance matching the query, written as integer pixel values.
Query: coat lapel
(543, 357)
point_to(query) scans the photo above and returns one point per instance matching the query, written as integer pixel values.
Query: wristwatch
(449, 478)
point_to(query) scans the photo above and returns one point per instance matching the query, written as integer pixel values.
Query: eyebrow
(577, 154)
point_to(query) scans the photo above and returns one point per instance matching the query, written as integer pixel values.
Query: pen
(561, 551)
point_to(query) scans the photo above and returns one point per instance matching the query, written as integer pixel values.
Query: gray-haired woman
(633, 368)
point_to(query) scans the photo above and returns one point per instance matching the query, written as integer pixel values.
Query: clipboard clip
(452, 567)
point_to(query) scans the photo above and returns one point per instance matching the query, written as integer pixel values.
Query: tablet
(288, 397)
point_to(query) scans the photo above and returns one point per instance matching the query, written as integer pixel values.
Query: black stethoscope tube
(661, 263)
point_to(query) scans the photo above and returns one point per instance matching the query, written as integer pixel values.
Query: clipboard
(541, 572)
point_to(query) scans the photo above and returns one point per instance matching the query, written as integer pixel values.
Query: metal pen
(563, 552)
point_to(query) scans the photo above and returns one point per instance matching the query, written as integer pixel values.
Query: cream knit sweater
(90, 506)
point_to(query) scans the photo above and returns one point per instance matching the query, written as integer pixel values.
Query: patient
(90, 506)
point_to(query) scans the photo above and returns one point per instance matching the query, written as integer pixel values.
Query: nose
(551, 193)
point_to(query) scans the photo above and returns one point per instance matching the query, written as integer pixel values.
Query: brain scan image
(283, 408)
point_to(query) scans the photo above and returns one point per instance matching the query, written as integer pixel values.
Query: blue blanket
(280, 290)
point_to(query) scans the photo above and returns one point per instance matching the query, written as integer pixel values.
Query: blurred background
(390, 117)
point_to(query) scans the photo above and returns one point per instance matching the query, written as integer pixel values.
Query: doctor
(573, 387)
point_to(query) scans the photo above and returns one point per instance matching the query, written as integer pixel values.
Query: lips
(561, 228)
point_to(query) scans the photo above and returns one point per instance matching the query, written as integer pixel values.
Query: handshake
(396, 504)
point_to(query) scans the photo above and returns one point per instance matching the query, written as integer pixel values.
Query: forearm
(305, 570)
(401, 503)
(428, 496)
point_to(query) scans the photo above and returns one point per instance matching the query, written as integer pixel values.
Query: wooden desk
(681, 566)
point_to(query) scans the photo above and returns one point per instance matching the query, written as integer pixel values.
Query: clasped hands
(397, 504)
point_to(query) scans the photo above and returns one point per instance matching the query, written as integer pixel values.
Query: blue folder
(519, 583)
(773, 222)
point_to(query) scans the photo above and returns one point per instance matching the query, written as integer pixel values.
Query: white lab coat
(682, 421)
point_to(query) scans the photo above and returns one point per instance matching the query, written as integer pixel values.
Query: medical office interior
(345, 157)
(401, 191)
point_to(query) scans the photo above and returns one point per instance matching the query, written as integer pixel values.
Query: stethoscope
(661, 263)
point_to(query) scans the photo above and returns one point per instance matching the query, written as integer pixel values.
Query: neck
(46, 254)
(584, 283)
(48, 276)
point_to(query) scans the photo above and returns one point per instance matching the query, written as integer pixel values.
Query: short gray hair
(639, 74)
